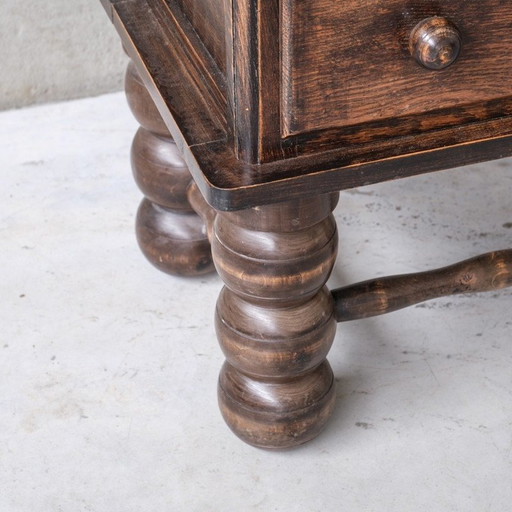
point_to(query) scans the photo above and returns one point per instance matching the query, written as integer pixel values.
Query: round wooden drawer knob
(435, 42)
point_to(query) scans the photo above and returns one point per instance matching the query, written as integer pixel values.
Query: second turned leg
(170, 234)
(275, 320)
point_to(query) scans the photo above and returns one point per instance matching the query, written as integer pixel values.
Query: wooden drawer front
(346, 62)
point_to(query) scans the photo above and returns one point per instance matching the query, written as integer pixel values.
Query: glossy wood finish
(435, 43)
(492, 271)
(170, 234)
(275, 320)
(350, 65)
(276, 415)
(227, 127)
(210, 19)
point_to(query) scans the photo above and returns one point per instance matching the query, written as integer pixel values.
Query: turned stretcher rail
(487, 272)
(491, 271)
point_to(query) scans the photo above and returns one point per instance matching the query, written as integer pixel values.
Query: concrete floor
(109, 368)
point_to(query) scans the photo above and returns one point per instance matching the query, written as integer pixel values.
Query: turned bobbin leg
(275, 320)
(170, 234)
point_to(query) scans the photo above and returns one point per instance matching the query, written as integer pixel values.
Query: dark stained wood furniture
(254, 114)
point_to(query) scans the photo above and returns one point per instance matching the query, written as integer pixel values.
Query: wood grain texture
(183, 81)
(435, 43)
(201, 67)
(208, 17)
(180, 76)
(174, 242)
(255, 77)
(275, 320)
(492, 271)
(170, 234)
(229, 184)
(351, 65)
(277, 415)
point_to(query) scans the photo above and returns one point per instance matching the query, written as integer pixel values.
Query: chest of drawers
(282, 95)
(274, 106)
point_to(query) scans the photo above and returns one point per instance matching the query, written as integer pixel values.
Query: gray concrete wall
(53, 50)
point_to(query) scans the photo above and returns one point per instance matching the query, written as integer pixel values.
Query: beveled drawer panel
(209, 18)
(348, 62)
